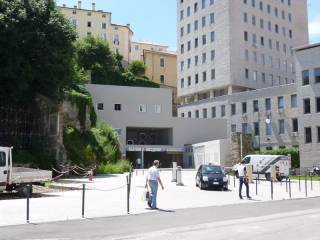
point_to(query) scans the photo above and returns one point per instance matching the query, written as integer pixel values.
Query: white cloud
(314, 27)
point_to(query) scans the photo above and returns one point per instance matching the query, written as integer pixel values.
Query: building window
(223, 110)
(204, 113)
(162, 79)
(295, 126)
(247, 73)
(268, 129)
(204, 76)
(280, 102)
(189, 80)
(142, 108)
(189, 115)
(197, 113)
(182, 83)
(195, 7)
(117, 107)
(213, 112)
(100, 106)
(196, 77)
(244, 107)
(308, 135)
(204, 58)
(182, 115)
(255, 106)
(294, 101)
(317, 75)
(104, 25)
(246, 36)
(268, 104)
(233, 128)
(281, 126)
(157, 108)
(212, 36)
(318, 104)
(196, 42)
(245, 128)
(256, 129)
(196, 25)
(89, 24)
(161, 61)
(203, 21)
(212, 55)
(211, 18)
(305, 77)
(233, 109)
(204, 39)
(306, 106)
(213, 74)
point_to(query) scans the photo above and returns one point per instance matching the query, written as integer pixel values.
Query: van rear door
(3, 169)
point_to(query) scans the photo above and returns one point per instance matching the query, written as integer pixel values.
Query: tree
(138, 68)
(36, 51)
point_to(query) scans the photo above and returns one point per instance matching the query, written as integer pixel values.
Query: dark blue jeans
(245, 182)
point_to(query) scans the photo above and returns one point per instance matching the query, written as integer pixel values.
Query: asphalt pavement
(287, 219)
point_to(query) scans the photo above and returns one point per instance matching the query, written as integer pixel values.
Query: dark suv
(211, 176)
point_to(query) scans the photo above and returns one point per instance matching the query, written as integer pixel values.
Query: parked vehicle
(315, 171)
(262, 165)
(211, 176)
(17, 178)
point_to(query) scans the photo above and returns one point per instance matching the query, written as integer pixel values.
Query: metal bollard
(259, 176)
(28, 203)
(299, 183)
(83, 198)
(174, 172)
(271, 183)
(128, 195)
(290, 188)
(179, 177)
(286, 184)
(256, 186)
(306, 186)
(311, 183)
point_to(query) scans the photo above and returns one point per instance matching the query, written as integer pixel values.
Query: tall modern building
(225, 47)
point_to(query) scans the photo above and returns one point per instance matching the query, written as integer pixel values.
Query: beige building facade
(92, 22)
(308, 82)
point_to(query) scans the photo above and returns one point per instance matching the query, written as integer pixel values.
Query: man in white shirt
(243, 179)
(153, 178)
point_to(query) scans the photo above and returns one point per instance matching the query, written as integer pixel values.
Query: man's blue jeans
(153, 193)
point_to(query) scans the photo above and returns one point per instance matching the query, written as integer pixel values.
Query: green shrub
(97, 146)
(295, 157)
(119, 167)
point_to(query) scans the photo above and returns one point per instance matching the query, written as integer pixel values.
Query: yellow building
(161, 64)
(98, 23)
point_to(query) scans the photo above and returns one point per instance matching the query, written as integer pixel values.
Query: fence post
(299, 183)
(311, 183)
(306, 185)
(128, 195)
(290, 188)
(256, 186)
(286, 184)
(271, 183)
(28, 202)
(83, 198)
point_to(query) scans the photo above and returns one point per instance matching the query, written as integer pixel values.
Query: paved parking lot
(107, 197)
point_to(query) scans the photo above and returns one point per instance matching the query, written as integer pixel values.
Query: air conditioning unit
(130, 142)
(295, 134)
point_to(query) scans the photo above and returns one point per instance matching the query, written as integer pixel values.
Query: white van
(262, 165)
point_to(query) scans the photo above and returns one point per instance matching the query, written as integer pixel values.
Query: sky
(155, 20)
